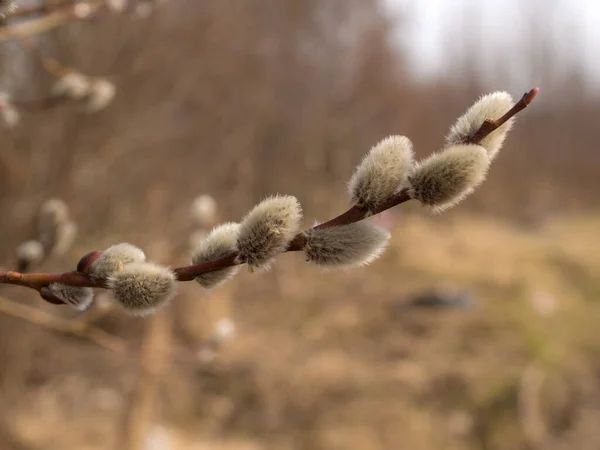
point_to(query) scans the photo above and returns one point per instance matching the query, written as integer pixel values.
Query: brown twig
(155, 362)
(58, 17)
(40, 18)
(354, 214)
(38, 104)
(37, 9)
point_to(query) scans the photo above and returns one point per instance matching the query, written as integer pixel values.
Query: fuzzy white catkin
(445, 178)
(79, 298)
(489, 107)
(101, 94)
(382, 172)
(142, 288)
(9, 114)
(203, 211)
(196, 237)
(30, 253)
(115, 258)
(73, 85)
(66, 233)
(52, 222)
(352, 245)
(116, 6)
(54, 210)
(224, 329)
(83, 10)
(220, 242)
(267, 230)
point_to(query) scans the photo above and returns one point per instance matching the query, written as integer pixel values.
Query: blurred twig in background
(79, 328)
(141, 412)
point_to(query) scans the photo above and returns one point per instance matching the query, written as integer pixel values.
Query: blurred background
(477, 329)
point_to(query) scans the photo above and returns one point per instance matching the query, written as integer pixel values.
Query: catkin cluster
(96, 93)
(9, 114)
(444, 178)
(116, 6)
(139, 286)
(387, 173)
(93, 93)
(438, 182)
(56, 232)
(262, 234)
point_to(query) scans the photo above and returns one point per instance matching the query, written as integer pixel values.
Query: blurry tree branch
(155, 361)
(78, 327)
(22, 24)
(40, 9)
(56, 17)
(83, 327)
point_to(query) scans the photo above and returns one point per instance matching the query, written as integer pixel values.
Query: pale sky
(433, 27)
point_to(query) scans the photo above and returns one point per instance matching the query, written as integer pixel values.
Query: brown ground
(335, 360)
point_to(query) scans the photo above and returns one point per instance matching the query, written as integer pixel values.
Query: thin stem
(40, 18)
(187, 273)
(40, 280)
(39, 25)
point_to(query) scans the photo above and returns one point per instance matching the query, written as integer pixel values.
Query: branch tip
(528, 97)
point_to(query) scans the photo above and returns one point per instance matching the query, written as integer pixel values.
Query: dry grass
(335, 360)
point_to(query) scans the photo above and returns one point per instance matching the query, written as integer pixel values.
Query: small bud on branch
(73, 85)
(267, 230)
(382, 172)
(142, 288)
(220, 242)
(114, 259)
(355, 244)
(29, 254)
(100, 94)
(488, 108)
(444, 179)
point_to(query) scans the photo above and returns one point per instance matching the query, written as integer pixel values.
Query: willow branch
(37, 9)
(58, 17)
(188, 273)
(40, 18)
